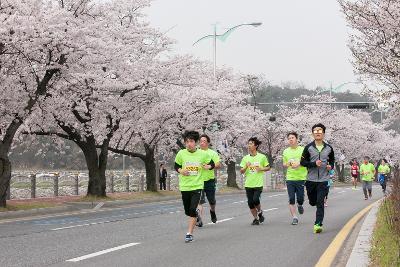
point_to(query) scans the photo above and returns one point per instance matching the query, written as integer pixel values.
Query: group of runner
(310, 167)
(367, 172)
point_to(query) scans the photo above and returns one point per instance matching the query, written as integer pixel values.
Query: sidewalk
(359, 256)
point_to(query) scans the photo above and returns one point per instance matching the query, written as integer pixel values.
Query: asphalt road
(153, 235)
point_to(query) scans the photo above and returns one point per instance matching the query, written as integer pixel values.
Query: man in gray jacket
(318, 157)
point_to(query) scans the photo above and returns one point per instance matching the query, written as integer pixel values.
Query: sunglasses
(318, 131)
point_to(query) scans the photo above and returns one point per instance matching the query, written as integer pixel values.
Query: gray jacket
(311, 155)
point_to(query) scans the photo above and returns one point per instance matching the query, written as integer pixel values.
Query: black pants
(209, 191)
(163, 183)
(316, 192)
(253, 196)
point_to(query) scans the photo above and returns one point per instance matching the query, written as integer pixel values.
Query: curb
(330, 253)
(359, 256)
(86, 207)
(40, 211)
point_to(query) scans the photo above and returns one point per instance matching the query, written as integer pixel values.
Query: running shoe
(213, 216)
(317, 228)
(255, 222)
(261, 217)
(188, 238)
(199, 221)
(295, 221)
(300, 209)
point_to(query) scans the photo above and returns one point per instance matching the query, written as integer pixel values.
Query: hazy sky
(300, 40)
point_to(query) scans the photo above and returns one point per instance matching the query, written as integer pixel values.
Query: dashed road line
(92, 255)
(271, 209)
(220, 221)
(277, 195)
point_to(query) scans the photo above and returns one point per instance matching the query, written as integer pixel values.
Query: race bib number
(193, 168)
(354, 172)
(252, 168)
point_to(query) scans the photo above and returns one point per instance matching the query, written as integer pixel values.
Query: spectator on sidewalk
(163, 177)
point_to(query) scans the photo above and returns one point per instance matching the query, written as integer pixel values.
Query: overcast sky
(302, 41)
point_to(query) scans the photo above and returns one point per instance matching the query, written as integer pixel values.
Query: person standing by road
(295, 175)
(319, 158)
(163, 177)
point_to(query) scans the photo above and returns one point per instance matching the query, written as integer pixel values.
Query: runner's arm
(305, 159)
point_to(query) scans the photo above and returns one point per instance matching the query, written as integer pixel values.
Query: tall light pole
(222, 37)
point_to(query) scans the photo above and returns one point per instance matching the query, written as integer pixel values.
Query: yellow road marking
(330, 253)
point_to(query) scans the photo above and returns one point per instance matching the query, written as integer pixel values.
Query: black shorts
(253, 196)
(295, 188)
(209, 191)
(190, 201)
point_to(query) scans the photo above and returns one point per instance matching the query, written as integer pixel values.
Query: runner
(367, 171)
(319, 158)
(355, 172)
(190, 163)
(253, 166)
(383, 171)
(295, 175)
(209, 182)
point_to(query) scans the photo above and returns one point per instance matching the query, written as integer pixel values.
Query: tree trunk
(5, 178)
(96, 165)
(150, 165)
(5, 164)
(231, 170)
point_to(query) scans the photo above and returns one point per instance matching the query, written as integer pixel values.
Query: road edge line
(330, 253)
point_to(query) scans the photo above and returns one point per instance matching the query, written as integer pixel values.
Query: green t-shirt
(193, 162)
(367, 172)
(210, 174)
(320, 148)
(254, 178)
(384, 169)
(294, 155)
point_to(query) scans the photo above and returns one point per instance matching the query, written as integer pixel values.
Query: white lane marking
(277, 195)
(98, 206)
(270, 209)
(80, 225)
(341, 192)
(220, 221)
(236, 202)
(88, 256)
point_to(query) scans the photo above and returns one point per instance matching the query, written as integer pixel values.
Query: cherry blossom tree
(114, 81)
(189, 100)
(375, 42)
(38, 40)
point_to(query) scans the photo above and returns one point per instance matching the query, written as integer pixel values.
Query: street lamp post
(331, 89)
(222, 37)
